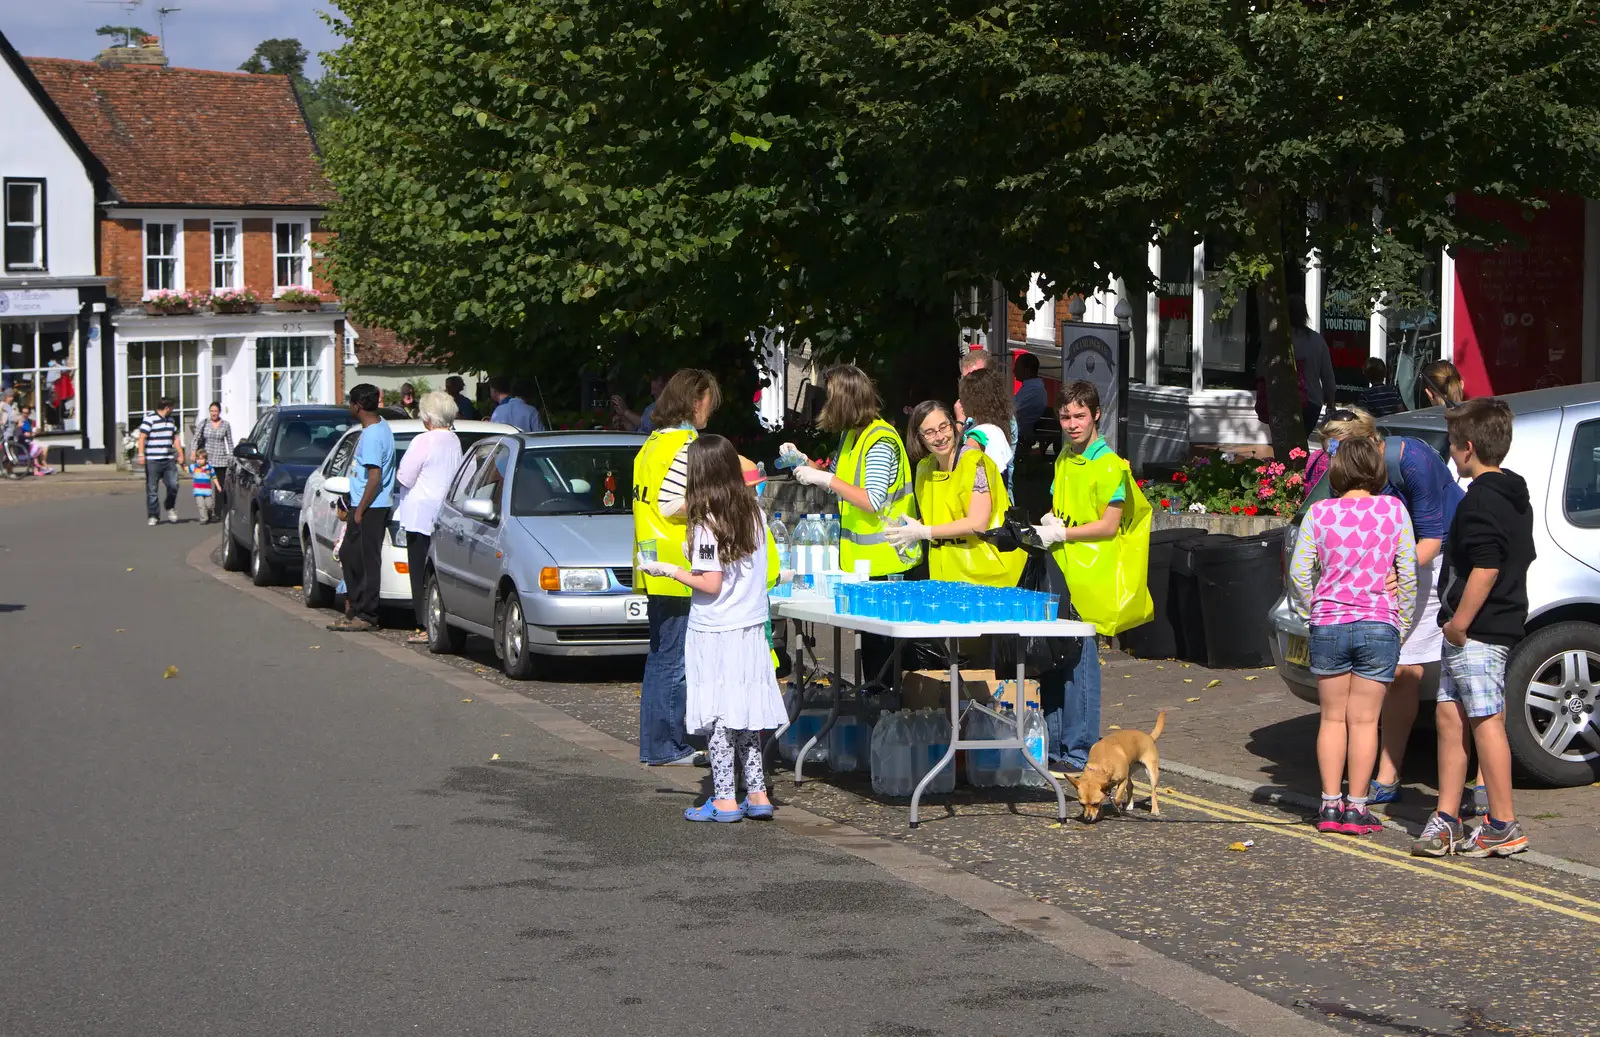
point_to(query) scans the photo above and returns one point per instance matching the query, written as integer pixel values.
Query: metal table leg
(948, 759)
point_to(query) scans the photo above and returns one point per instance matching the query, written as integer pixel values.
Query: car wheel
(315, 593)
(262, 572)
(1552, 692)
(514, 653)
(443, 639)
(233, 558)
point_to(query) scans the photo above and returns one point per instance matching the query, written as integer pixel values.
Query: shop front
(51, 357)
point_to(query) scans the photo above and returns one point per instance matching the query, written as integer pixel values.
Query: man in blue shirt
(1031, 399)
(512, 404)
(372, 473)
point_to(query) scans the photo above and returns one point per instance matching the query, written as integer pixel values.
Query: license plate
(637, 609)
(1297, 651)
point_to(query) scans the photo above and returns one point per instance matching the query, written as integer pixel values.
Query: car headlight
(579, 580)
(288, 498)
(397, 534)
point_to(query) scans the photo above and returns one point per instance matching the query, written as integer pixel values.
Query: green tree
(127, 33)
(280, 57)
(324, 99)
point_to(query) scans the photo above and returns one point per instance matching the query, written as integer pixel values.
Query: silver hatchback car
(533, 549)
(1553, 678)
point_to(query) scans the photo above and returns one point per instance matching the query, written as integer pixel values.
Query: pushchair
(14, 457)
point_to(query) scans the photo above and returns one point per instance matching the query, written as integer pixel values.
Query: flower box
(234, 306)
(299, 306)
(159, 310)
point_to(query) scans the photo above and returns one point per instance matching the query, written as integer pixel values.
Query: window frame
(236, 262)
(175, 258)
(186, 411)
(333, 465)
(40, 228)
(302, 255)
(1586, 519)
(313, 370)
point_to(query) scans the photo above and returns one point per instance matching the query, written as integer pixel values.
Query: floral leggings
(722, 746)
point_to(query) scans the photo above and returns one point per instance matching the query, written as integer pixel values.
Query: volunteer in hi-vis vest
(659, 479)
(871, 476)
(1099, 529)
(960, 491)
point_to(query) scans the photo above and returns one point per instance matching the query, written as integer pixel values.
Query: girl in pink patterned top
(1353, 576)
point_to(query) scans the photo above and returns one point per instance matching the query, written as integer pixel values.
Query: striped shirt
(201, 475)
(882, 464)
(159, 436)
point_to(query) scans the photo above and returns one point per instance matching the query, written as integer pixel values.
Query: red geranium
(1251, 510)
(1237, 509)
(1180, 478)
(1165, 502)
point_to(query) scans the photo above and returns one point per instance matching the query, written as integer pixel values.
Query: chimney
(146, 51)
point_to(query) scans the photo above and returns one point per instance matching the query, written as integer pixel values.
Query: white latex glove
(656, 568)
(810, 476)
(908, 532)
(1051, 530)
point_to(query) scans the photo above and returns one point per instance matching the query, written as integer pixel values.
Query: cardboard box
(930, 689)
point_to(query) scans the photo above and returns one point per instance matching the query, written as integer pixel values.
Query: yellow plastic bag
(1108, 579)
(945, 497)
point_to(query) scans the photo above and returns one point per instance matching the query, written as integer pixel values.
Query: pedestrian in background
(1379, 398)
(1031, 400)
(201, 479)
(159, 453)
(732, 693)
(424, 478)
(466, 410)
(509, 406)
(408, 399)
(1484, 615)
(372, 475)
(1338, 583)
(215, 436)
(627, 420)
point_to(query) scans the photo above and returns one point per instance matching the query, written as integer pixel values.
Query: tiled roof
(181, 136)
(380, 347)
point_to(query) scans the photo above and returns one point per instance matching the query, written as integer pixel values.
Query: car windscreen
(1434, 437)
(575, 480)
(403, 440)
(306, 440)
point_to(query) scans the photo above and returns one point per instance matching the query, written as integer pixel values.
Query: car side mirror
(338, 485)
(476, 508)
(247, 451)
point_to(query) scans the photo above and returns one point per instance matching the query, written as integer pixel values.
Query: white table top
(817, 610)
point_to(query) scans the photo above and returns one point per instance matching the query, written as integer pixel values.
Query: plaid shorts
(1475, 676)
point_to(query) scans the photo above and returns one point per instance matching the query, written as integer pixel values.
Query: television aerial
(128, 9)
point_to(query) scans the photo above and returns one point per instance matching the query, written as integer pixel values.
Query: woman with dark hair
(959, 494)
(660, 478)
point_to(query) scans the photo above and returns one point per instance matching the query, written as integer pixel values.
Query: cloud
(216, 34)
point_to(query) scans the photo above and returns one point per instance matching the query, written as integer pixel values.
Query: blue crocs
(1381, 793)
(708, 812)
(756, 811)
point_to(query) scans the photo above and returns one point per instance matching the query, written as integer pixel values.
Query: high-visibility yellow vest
(671, 535)
(860, 531)
(1108, 579)
(946, 497)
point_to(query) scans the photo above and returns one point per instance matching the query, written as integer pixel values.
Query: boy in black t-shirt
(1483, 606)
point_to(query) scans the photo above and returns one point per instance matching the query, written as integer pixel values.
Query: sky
(216, 34)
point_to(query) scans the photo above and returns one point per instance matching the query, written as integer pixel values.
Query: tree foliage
(324, 99)
(280, 57)
(127, 33)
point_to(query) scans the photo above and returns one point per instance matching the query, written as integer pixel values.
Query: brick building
(215, 187)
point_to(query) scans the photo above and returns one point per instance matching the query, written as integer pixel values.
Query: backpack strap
(1393, 450)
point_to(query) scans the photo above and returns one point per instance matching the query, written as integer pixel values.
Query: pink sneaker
(1359, 821)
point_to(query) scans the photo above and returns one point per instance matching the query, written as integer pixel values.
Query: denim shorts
(1365, 648)
(1475, 676)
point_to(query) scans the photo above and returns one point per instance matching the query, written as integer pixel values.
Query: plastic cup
(647, 550)
(1052, 606)
(834, 582)
(1036, 608)
(841, 604)
(892, 577)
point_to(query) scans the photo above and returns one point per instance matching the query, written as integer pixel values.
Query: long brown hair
(986, 399)
(675, 405)
(852, 400)
(1444, 381)
(916, 449)
(718, 498)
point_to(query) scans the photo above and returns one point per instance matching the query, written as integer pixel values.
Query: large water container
(780, 536)
(1011, 762)
(892, 763)
(935, 743)
(983, 765)
(805, 726)
(847, 744)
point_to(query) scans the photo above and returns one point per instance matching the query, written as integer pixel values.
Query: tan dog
(1110, 769)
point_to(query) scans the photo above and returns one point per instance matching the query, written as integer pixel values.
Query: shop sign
(42, 302)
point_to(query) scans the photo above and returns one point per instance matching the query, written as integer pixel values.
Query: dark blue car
(261, 519)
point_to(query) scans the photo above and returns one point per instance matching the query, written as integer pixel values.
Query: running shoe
(1378, 792)
(1487, 842)
(1359, 821)
(1331, 819)
(1439, 837)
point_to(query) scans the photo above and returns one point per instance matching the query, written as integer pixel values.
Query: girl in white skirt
(733, 693)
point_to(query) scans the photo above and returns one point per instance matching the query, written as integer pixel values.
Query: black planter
(1230, 584)
(1159, 638)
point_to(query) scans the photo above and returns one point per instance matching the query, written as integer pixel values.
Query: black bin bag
(1039, 655)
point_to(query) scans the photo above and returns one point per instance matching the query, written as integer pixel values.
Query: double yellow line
(1442, 869)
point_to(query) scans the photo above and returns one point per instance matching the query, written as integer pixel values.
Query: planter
(284, 306)
(167, 311)
(1236, 525)
(235, 307)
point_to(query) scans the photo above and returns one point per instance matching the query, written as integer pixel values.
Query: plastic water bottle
(831, 541)
(802, 541)
(1011, 762)
(1034, 734)
(893, 767)
(804, 728)
(813, 550)
(780, 536)
(879, 760)
(845, 744)
(983, 765)
(788, 457)
(936, 742)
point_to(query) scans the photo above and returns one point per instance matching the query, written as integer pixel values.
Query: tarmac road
(298, 832)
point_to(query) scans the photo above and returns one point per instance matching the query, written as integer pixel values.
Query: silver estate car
(533, 549)
(1553, 678)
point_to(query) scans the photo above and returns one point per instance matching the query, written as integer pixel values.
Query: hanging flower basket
(298, 300)
(235, 300)
(168, 303)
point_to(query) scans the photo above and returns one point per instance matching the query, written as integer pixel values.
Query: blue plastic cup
(1052, 606)
(841, 604)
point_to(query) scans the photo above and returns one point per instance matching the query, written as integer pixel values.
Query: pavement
(249, 839)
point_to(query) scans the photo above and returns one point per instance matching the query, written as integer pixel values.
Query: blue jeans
(1071, 703)
(1365, 648)
(664, 695)
(156, 473)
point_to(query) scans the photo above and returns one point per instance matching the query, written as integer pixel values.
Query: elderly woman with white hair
(424, 477)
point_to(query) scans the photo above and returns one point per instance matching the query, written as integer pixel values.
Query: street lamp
(1124, 312)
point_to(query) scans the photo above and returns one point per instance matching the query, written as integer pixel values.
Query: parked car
(265, 483)
(534, 550)
(1553, 676)
(320, 570)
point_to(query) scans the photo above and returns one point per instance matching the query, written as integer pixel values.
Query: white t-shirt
(742, 602)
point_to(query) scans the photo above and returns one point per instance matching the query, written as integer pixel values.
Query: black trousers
(416, 558)
(362, 559)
